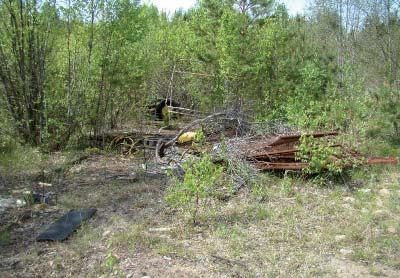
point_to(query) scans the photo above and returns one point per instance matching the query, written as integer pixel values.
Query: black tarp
(66, 225)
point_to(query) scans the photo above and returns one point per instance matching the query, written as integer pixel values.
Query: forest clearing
(283, 226)
(230, 139)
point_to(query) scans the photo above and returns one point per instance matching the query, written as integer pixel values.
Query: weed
(376, 272)
(199, 183)
(222, 230)
(93, 150)
(21, 158)
(287, 186)
(137, 238)
(322, 156)
(260, 192)
(133, 238)
(110, 261)
(165, 248)
(5, 236)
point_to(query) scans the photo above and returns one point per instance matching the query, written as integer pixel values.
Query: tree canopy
(75, 67)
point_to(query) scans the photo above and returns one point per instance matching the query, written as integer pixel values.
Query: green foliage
(200, 137)
(93, 66)
(317, 154)
(387, 118)
(110, 261)
(21, 158)
(28, 198)
(5, 235)
(321, 156)
(201, 179)
(199, 141)
(260, 191)
(8, 137)
(306, 109)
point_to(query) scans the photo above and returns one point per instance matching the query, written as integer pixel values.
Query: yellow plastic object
(186, 137)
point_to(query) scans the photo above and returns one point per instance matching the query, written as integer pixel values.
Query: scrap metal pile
(266, 151)
(279, 152)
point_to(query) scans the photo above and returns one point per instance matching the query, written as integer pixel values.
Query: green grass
(137, 238)
(281, 226)
(297, 227)
(5, 236)
(21, 158)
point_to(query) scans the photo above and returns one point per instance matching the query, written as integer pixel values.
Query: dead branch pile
(222, 121)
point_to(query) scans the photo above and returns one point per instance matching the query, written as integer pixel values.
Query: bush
(15, 157)
(8, 137)
(198, 185)
(21, 159)
(323, 157)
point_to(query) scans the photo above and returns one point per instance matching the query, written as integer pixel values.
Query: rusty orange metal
(279, 153)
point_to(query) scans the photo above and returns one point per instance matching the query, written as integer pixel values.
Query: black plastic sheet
(66, 225)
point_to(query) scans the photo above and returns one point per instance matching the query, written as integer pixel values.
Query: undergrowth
(21, 158)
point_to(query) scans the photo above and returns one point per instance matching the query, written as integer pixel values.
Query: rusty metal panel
(283, 139)
(381, 160)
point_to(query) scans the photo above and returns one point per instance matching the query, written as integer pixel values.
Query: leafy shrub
(305, 108)
(93, 150)
(386, 120)
(319, 103)
(8, 137)
(199, 141)
(323, 157)
(198, 185)
(110, 261)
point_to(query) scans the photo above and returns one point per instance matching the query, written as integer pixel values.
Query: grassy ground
(282, 227)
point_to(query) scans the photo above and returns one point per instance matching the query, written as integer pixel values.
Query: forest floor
(285, 227)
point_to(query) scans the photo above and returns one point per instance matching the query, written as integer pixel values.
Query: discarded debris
(162, 146)
(266, 152)
(186, 137)
(40, 198)
(36, 198)
(10, 202)
(45, 184)
(279, 152)
(160, 229)
(66, 225)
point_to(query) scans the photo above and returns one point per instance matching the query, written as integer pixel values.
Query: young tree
(26, 44)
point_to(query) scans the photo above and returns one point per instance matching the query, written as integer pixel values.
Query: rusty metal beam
(283, 152)
(284, 139)
(278, 153)
(381, 160)
(281, 166)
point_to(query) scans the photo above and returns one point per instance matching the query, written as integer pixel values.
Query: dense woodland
(72, 68)
(230, 192)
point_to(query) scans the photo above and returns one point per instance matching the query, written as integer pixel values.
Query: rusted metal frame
(283, 139)
(283, 153)
(381, 160)
(282, 165)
